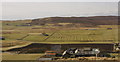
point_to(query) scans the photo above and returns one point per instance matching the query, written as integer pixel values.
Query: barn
(109, 28)
(2, 38)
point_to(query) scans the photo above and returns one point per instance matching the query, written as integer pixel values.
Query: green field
(11, 56)
(15, 34)
(19, 36)
(69, 35)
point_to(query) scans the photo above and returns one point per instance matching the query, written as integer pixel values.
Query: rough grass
(62, 36)
(101, 34)
(13, 44)
(9, 43)
(116, 55)
(10, 56)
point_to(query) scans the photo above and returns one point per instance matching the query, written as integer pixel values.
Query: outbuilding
(45, 34)
(109, 28)
(2, 38)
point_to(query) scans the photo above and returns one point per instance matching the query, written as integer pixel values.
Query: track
(23, 37)
(50, 35)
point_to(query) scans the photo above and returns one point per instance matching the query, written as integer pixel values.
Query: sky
(32, 10)
(59, 0)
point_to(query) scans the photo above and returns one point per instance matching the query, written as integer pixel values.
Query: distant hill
(96, 20)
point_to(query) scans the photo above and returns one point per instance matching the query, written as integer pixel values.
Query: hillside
(96, 20)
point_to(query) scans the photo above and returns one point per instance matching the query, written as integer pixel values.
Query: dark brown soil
(41, 48)
(96, 20)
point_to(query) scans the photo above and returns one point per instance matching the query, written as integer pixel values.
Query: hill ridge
(94, 20)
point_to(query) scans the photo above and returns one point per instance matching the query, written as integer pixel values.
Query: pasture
(12, 56)
(17, 34)
(57, 34)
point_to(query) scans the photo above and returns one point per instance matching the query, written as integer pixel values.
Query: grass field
(68, 35)
(10, 56)
(59, 34)
(19, 36)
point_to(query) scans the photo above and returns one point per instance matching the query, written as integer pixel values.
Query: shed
(45, 34)
(109, 28)
(50, 53)
(2, 38)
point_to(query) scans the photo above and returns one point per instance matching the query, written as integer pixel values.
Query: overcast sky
(20, 10)
(59, 0)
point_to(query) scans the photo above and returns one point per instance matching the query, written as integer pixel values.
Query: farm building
(50, 53)
(109, 28)
(80, 52)
(45, 34)
(2, 38)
